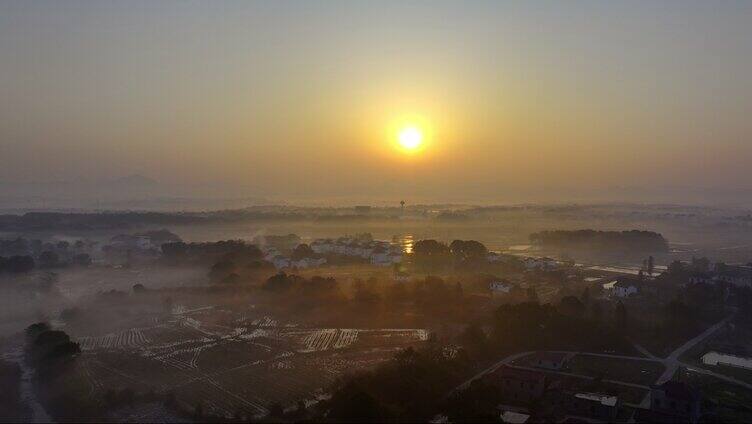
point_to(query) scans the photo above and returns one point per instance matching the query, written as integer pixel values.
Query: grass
(626, 370)
(734, 403)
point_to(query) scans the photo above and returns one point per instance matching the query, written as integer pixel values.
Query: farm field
(232, 363)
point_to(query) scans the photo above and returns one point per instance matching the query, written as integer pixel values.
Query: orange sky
(302, 100)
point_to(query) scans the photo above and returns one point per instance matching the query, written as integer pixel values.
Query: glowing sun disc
(410, 138)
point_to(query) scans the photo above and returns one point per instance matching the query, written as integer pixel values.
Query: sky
(302, 100)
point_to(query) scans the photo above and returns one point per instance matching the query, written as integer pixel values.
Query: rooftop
(606, 400)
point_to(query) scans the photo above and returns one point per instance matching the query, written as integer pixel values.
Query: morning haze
(375, 211)
(299, 99)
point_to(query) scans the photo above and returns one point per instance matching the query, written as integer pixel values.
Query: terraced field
(234, 370)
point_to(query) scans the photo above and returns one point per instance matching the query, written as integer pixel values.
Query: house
(500, 287)
(512, 417)
(136, 242)
(676, 399)
(549, 360)
(280, 262)
(539, 263)
(307, 262)
(518, 384)
(401, 277)
(377, 252)
(623, 287)
(716, 358)
(700, 278)
(740, 276)
(494, 257)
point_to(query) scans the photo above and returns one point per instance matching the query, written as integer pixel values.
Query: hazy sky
(301, 99)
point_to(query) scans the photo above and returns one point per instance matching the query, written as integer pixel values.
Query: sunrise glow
(410, 138)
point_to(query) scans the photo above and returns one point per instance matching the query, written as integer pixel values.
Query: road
(671, 363)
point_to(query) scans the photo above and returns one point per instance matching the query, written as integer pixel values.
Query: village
(531, 333)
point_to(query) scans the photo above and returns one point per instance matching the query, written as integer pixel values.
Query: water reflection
(405, 241)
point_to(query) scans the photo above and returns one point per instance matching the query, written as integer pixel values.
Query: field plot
(319, 340)
(237, 369)
(133, 337)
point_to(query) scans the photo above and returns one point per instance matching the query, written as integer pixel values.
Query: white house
(377, 252)
(494, 257)
(717, 358)
(735, 277)
(539, 263)
(308, 262)
(500, 288)
(280, 262)
(622, 287)
(401, 277)
(699, 277)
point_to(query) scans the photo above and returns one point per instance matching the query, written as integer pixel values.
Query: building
(623, 287)
(495, 257)
(593, 405)
(740, 276)
(362, 210)
(542, 264)
(401, 277)
(549, 360)
(307, 263)
(500, 287)
(512, 417)
(716, 358)
(701, 278)
(678, 399)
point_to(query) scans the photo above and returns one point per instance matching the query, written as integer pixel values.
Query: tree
(458, 290)
(280, 282)
(276, 410)
(621, 316)
(570, 305)
(468, 253)
(354, 405)
(596, 311)
(532, 295)
(364, 295)
(47, 347)
(49, 259)
(82, 259)
(473, 338)
(585, 296)
(430, 248)
(651, 265)
(700, 264)
(34, 330)
(676, 268)
(302, 251)
(198, 411)
(17, 264)
(431, 254)
(221, 270)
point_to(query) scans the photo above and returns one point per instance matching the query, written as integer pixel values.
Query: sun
(410, 138)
